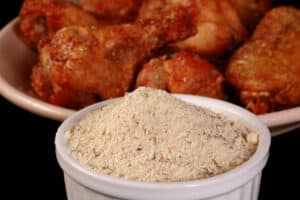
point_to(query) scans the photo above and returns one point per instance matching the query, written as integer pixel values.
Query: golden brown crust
(102, 62)
(41, 18)
(266, 69)
(185, 73)
(219, 28)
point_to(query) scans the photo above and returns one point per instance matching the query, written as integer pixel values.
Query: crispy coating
(114, 10)
(266, 70)
(153, 74)
(219, 28)
(41, 18)
(185, 73)
(91, 63)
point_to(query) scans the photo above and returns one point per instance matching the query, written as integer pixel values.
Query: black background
(30, 170)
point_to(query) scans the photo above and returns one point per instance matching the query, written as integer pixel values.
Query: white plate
(17, 59)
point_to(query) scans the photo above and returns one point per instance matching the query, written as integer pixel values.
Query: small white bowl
(241, 183)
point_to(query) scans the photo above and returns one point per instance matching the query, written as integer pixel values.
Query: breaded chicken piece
(80, 65)
(185, 72)
(266, 70)
(219, 28)
(41, 18)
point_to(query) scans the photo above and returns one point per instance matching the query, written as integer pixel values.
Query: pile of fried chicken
(237, 50)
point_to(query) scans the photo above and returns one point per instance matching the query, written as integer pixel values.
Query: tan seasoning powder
(149, 135)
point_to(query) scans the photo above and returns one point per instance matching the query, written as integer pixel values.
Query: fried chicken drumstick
(79, 66)
(41, 18)
(219, 28)
(183, 73)
(266, 69)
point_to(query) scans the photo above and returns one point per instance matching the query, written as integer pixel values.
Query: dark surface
(30, 170)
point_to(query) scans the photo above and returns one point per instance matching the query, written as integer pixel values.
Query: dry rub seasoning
(149, 135)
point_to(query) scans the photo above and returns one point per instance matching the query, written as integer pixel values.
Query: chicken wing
(93, 64)
(266, 70)
(183, 73)
(113, 10)
(219, 28)
(40, 18)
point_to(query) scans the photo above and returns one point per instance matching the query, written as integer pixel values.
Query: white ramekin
(241, 183)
